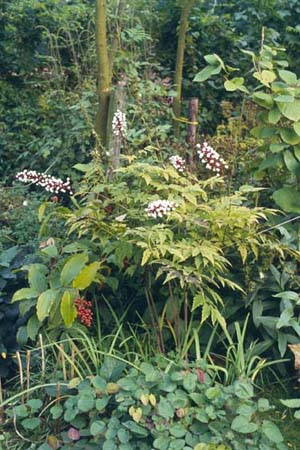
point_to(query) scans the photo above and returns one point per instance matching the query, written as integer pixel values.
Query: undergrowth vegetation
(149, 243)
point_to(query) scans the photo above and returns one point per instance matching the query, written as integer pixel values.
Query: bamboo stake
(28, 357)
(20, 374)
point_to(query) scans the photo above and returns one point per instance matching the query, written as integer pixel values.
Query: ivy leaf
(165, 408)
(207, 72)
(31, 424)
(271, 431)
(241, 424)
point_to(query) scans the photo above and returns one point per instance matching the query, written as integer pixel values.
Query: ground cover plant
(149, 288)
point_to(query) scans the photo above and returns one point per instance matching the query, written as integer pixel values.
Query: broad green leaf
(289, 136)
(35, 404)
(296, 127)
(213, 392)
(242, 425)
(37, 277)
(288, 199)
(51, 251)
(291, 162)
(274, 115)
(265, 76)
(272, 161)
(24, 294)
(86, 276)
(243, 390)
(284, 98)
(22, 335)
(97, 427)
(212, 59)
(44, 303)
(123, 436)
(102, 402)
(290, 110)
(72, 268)
(234, 84)
(190, 382)
(31, 424)
(206, 73)
(275, 148)
(161, 443)
(86, 402)
(165, 408)
(56, 411)
(288, 77)
(271, 431)
(263, 99)
(67, 309)
(136, 428)
(33, 326)
(291, 403)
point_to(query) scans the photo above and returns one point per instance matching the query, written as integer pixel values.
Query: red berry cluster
(84, 312)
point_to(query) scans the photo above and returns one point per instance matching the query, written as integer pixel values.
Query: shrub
(175, 408)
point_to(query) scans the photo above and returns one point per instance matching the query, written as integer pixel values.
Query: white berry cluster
(177, 162)
(160, 208)
(211, 158)
(48, 182)
(119, 125)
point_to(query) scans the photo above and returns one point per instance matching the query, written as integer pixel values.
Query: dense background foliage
(202, 300)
